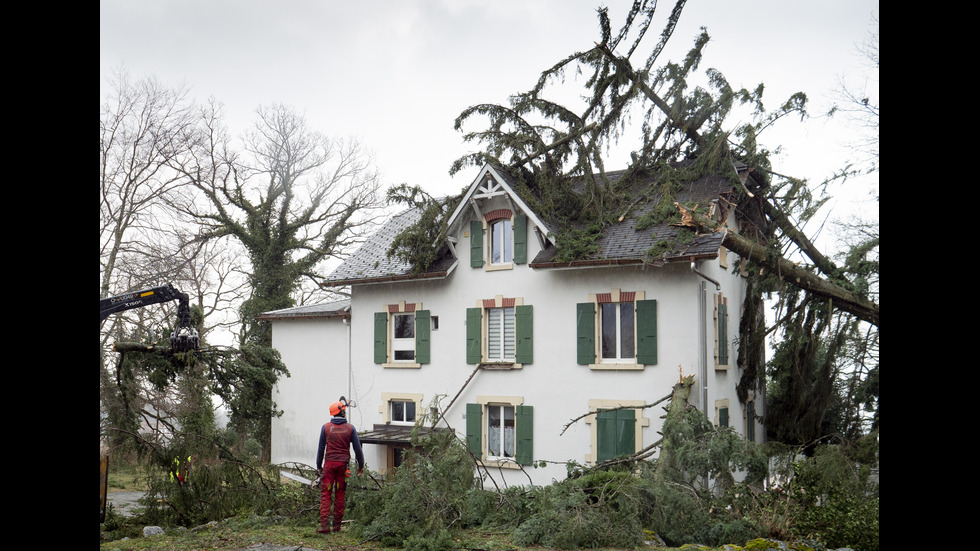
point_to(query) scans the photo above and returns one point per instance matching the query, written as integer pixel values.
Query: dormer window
(501, 242)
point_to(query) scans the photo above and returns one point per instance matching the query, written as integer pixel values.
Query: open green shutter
(585, 330)
(476, 244)
(422, 334)
(520, 239)
(646, 332)
(474, 326)
(525, 434)
(524, 319)
(474, 429)
(380, 337)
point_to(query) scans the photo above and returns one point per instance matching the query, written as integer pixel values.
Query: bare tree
(292, 198)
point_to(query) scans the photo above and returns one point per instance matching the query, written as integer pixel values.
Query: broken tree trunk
(675, 413)
(139, 347)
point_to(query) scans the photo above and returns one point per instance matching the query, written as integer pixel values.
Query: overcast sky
(395, 73)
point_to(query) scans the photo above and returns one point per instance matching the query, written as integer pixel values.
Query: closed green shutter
(723, 417)
(474, 429)
(615, 433)
(525, 434)
(380, 337)
(474, 327)
(646, 332)
(520, 239)
(476, 244)
(422, 334)
(524, 331)
(722, 333)
(585, 330)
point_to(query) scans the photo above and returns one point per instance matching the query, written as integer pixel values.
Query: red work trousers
(334, 482)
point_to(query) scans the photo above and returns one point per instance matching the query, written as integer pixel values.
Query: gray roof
(370, 263)
(340, 308)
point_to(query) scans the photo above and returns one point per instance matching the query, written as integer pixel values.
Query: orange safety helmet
(337, 407)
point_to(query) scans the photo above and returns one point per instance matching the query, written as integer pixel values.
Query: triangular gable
(492, 183)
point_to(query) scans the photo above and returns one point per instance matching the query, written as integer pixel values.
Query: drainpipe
(350, 372)
(703, 335)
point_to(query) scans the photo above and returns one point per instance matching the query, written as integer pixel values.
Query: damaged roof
(623, 243)
(620, 243)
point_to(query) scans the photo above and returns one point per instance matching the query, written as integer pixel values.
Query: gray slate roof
(370, 263)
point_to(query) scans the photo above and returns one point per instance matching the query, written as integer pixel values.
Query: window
(721, 413)
(721, 331)
(617, 428)
(499, 430)
(499, 331)
(616, 336)
(500, 335)
(750, 420)
(401, 335)
(499, 240)
(617, 330)
(402, 411)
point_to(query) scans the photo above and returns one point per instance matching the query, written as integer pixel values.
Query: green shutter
(585, 329)
(520, 239)
(422, 335)
(474, 327)
(524, 319)
(615, 433)
(722, 333)
(723, 417)
(474, 429)
(476, 244)
(646, 332)
(380, 337)
(525, 434)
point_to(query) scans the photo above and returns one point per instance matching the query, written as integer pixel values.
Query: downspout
(350, 371)
(703, 335)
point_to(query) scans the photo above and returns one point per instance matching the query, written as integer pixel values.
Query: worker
(336, 439)
(180, 472)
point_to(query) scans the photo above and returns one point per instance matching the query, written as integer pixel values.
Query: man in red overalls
(336, 439)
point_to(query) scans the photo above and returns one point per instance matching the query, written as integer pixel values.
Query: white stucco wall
(557, 387)
(315, 352)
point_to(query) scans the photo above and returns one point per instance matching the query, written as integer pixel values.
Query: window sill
(501, 463)
(721, 367)
(500, 366)
(501, 266)
(617, 367)
(402, 365)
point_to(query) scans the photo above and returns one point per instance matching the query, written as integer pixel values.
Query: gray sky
(395, 73)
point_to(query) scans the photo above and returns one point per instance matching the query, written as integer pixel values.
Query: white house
(509, 345)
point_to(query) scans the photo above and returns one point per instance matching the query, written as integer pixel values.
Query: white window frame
(396, 404)
(502, 410)
(402, 344)
(619, 357)
(500, 242)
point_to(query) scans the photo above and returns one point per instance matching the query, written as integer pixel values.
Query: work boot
(323, 529)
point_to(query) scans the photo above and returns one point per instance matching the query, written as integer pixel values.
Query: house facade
(525, 357)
